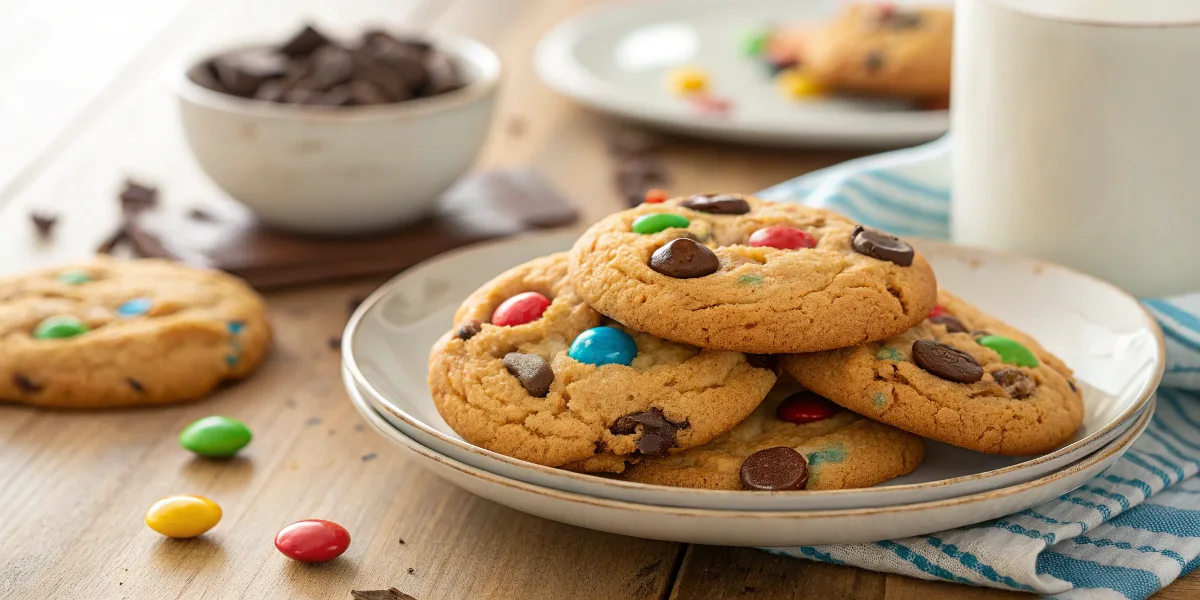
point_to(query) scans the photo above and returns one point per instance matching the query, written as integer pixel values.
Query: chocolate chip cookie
(532, 372)
(112, 333)
(792, 441)
(960, 377)
(885, 50)
(732, 272)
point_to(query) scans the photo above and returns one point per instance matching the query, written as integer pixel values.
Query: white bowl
(1100, 331)
(337, 170)
(753, 528)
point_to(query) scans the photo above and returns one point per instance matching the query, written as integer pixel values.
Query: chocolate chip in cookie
(25, 384)
(532, 371)
(658, 432)
(720, 204)
(1017, 384)
(946, 361)
(762, 361)
(882, 246)
(874, 61)
(774, 469)
(952, 324)
(469, 330)
(684, 258)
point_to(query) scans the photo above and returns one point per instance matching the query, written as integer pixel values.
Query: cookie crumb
(516, 126)
(135, 384)
(199, 214)
(369, 457)
(388, 594)
(43, 223)
(136, 197)
(25, 384)
(353, 304)
(412, 571)
(334, 342)
(313, 421)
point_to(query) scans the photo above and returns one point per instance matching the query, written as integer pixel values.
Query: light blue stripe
(1132, 457)
(1104, 511)
(1183, 317)
(1158, 518)
(1137, 483)
(936, 218)
(1172, 397)
(1152, 431)
(1183, 369)
(908, 184)
(1161, 428)
(920, 562)
(1174, 336)
(1032, 534)
(1029, 512)
(1102, 543)
(973, 563)
(814, 554)
(1134, 583)
(846, 206)
(1166, 463)
(1122, 500)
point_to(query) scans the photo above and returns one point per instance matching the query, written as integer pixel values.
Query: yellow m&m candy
(688, 80)
(183, 516)
(795, 84)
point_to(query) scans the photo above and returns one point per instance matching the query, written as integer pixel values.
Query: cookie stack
(669, 346)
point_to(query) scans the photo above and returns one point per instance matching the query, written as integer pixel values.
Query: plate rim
(381, 426)
(557, 69)
(348, 360)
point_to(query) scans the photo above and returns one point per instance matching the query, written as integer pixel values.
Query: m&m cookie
(733, 272)
(960, 377)
(126, 332)
(562, 386)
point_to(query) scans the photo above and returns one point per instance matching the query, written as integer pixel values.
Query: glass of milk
(1077, 135)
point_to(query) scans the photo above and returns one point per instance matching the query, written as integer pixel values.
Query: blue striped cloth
(1125, 534)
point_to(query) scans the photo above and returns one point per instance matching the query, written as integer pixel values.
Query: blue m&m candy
(603, 346)
(135, 307)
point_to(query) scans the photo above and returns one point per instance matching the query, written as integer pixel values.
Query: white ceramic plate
(749, 528)
(616, 58)
(1101, 332)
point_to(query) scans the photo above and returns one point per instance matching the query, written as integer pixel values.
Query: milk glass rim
(1021, 9)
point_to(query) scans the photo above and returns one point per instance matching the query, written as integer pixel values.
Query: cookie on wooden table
(112, 333)
(532, 372)
(790, 442)
(734, 272)
(886, 50)
(960, 377)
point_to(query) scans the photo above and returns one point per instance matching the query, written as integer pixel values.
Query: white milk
(1077, 135)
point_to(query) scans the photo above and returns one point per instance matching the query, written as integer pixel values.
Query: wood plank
(716, 573)
(1184, 588)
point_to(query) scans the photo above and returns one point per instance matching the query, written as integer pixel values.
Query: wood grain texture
(74, 485)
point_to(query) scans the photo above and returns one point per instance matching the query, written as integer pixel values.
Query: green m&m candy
(215, 437)
(656, 222)
(1010, 350)
(59, 327)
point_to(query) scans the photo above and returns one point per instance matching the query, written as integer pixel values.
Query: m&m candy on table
(520, 309)
(603, 346)
(312, 540)
(215, 436)
(782, 237)
(59, 327)
(183, 516)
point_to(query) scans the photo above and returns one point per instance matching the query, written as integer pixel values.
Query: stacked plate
(1102, 333)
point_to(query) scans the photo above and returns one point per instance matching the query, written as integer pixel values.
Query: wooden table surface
(86, 107)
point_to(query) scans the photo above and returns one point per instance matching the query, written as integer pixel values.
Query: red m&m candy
(804, 407)
(655, 196)
(520, 309)
(313, 540)
(782, 237)
(937, 311)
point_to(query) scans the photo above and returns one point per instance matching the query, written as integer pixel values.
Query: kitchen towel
(1128, 532)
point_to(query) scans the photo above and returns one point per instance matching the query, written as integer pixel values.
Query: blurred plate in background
(617, 58)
